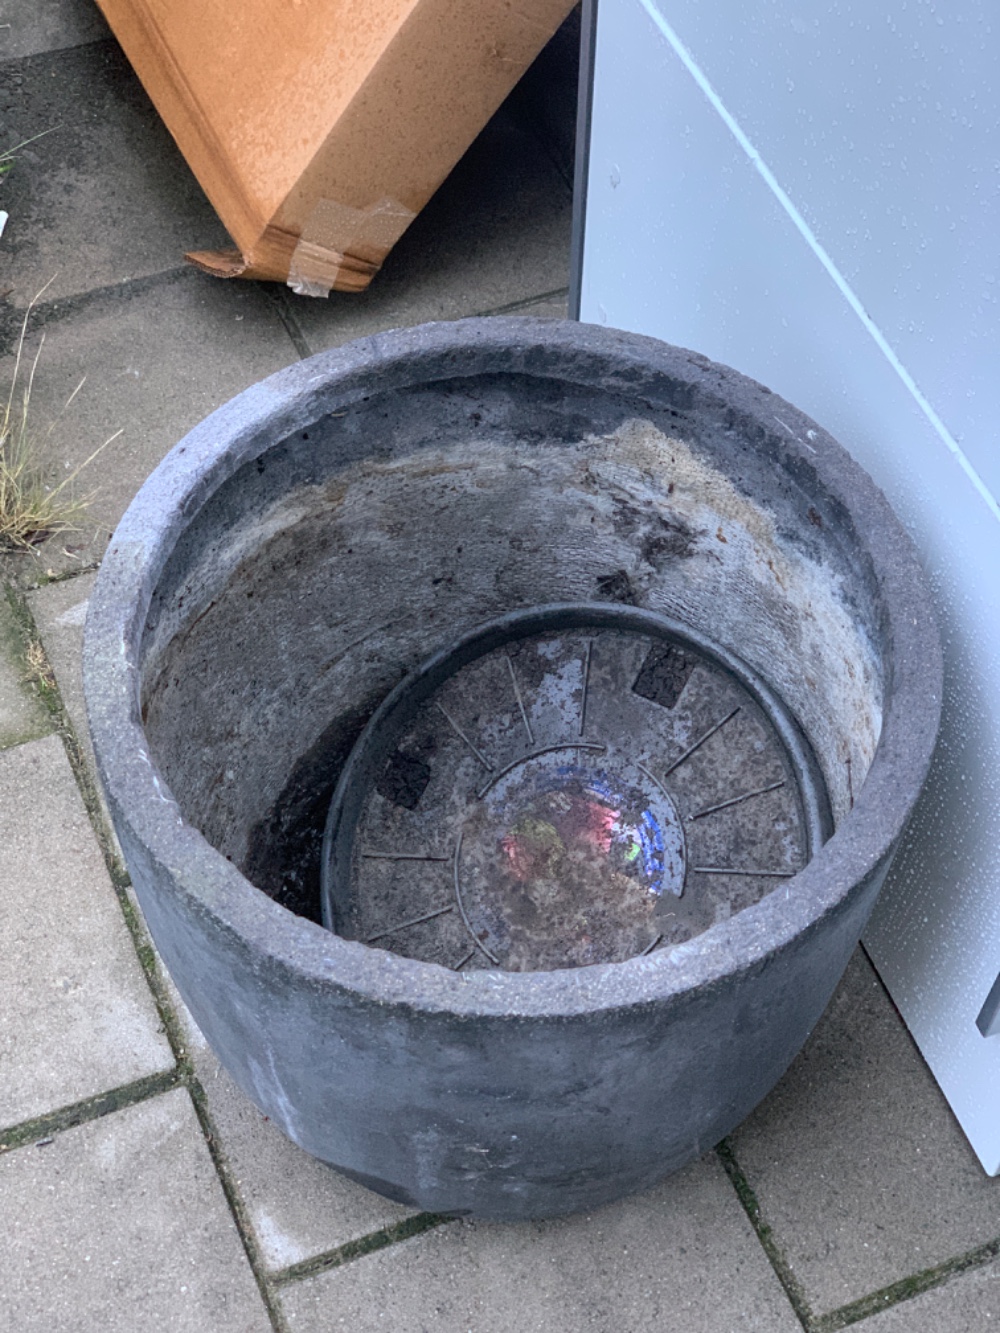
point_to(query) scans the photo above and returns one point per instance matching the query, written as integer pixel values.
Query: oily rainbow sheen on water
(593, 818)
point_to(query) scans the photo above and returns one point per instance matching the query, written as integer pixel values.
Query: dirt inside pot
(321, 574)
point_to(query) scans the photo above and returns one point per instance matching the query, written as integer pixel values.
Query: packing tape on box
(337, 238)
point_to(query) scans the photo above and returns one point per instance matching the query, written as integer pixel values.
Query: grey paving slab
(22, 717)
(680, 1257)
(76, 1014)
(496, 232)
(60, 610)
(106, 195)
(967, 1303)
(122, 1224)
(554, 307)
(156, 362)
(298, 1207)
(856, 1160)
(26, 29)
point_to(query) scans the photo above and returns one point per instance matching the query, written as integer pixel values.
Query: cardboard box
(320, 128)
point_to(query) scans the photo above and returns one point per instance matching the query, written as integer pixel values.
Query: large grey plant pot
(313, 541)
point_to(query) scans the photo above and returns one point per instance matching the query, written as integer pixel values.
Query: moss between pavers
(907, 1288)
(782, 1268)
(40, 1129)
(856, 1311)
(23, 716)
(354, 1249)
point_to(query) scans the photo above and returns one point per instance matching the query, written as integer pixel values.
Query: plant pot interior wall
(323, 571)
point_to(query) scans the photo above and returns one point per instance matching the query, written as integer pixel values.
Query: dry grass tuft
(38, 670)
(31, 508)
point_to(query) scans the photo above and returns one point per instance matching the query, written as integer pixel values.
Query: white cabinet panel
(855, 270)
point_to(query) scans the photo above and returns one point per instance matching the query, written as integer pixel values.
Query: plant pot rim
(295, 398)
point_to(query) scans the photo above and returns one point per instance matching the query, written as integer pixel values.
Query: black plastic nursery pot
(335, 529)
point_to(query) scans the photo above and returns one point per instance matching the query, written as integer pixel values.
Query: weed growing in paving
(32, 509)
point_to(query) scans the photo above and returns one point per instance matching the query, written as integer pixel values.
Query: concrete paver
(156, 362)
(22, 717)
(497, 232)
(106, 196)
(60, 610)
(122, 1224)
(47, 25)
(966, 1303)
(298, 1207)
(76, 1014)
(856, 1161)
(682, 1256)
(552, 308)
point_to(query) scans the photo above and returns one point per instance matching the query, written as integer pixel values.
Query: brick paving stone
(156, 362)
(121, 1224)
(106, 196)
(966, 1303)
(22, 716)
(26, 29)
(76, 1014)
(856, 1160)
(496, 232)
(682, 1256)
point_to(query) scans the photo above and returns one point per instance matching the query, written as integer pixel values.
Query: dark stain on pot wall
(616, 587)
(283, 854)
